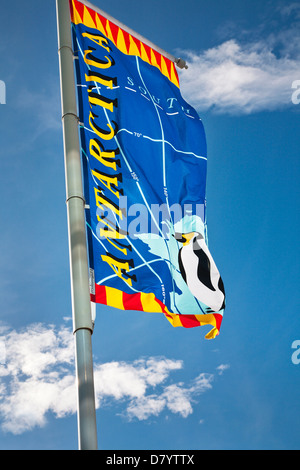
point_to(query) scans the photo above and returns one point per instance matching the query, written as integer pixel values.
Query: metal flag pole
(81, 305)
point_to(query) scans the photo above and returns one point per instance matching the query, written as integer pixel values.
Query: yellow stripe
(100, 26)
(144, 55)
(153, 59)
(108, 32)
(87, 19)
(209, 320)
(212, 334)
(174, 76)
(173, 319)
(133, 49)
(149, 303)
(77, 18)
(206, 319)
(121, 42)
(114, 298)
(164, 68)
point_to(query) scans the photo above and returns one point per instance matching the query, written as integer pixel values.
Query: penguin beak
(184, 238)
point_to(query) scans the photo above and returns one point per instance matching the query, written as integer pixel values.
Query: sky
(159, 387)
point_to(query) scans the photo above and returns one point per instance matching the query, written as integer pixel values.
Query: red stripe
(169, 66)
(126, 39)
(189, 321)
(114, 31)
(219, 319)
(158, 57)
(100, 295)
(93, 14)
(148, 51)
(71, 10)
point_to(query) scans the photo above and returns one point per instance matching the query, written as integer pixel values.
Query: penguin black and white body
(199, 271)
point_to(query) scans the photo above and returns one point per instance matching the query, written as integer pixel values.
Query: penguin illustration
(199, 271)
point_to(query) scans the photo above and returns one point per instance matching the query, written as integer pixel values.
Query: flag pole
(81, 305)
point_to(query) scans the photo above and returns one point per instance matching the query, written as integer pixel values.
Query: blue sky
(159, 387)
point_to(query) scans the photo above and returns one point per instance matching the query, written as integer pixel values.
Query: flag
(144, 166)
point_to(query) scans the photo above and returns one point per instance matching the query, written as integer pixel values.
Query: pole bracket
(70, 114)
(181, 63)
(76, 197)
(66, 47)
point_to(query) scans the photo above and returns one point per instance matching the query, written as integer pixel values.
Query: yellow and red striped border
(125, 42)
(147, 302)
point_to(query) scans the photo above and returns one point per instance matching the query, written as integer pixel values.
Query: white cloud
(146, 406)
(222, 367)
(242, 78)
(38, 378)
(177, 398)
(119, 379)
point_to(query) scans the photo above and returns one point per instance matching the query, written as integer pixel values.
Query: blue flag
(144, 164)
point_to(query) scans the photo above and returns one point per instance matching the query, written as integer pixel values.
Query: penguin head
(185, 238)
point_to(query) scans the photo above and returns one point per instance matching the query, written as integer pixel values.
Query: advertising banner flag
(144, 165)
